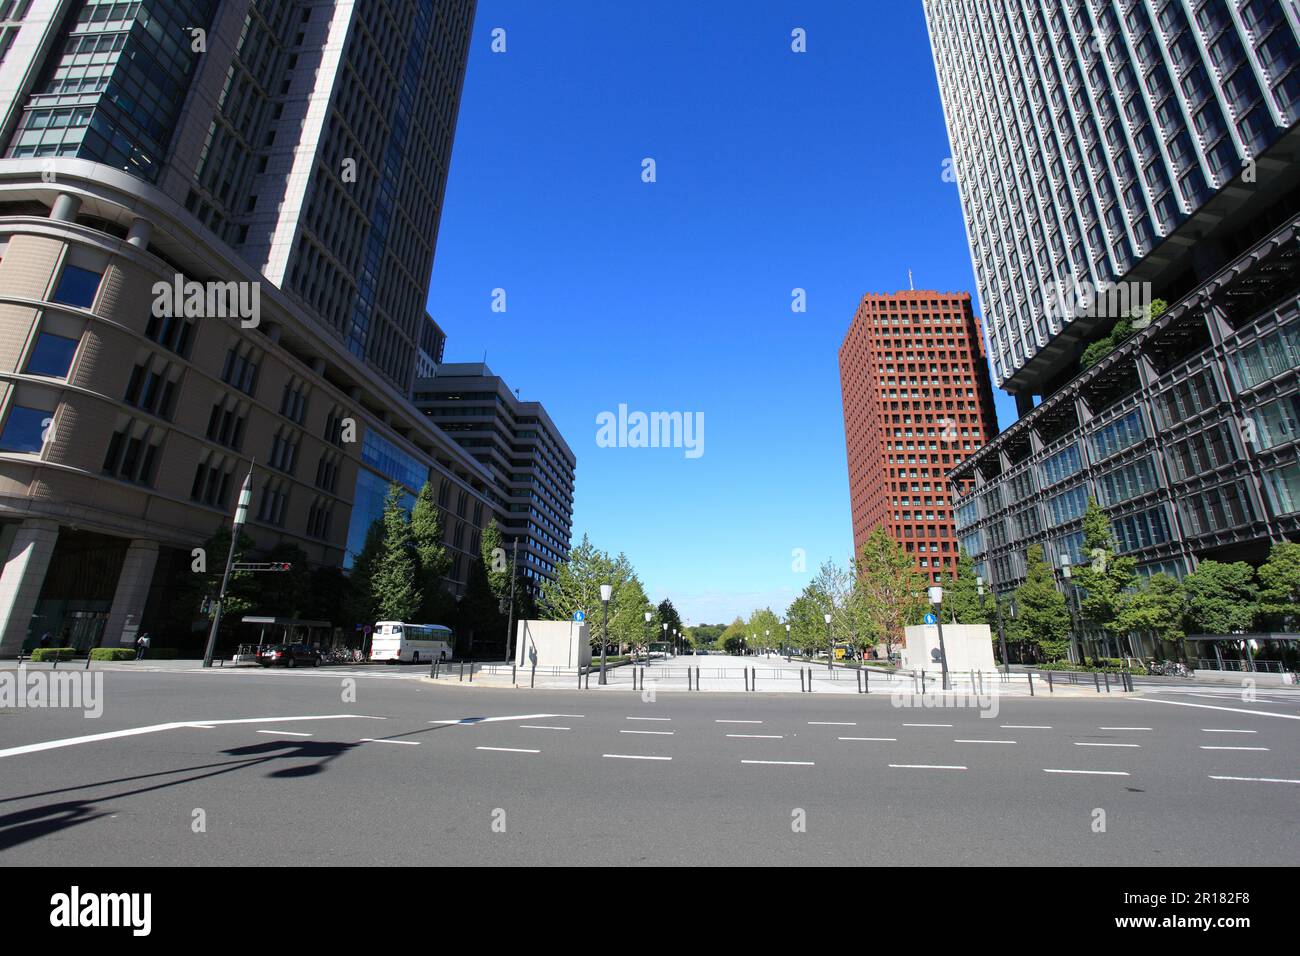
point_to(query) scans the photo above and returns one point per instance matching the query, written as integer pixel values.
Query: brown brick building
(917, 401)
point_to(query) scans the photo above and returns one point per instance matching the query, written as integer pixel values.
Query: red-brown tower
(917, 400)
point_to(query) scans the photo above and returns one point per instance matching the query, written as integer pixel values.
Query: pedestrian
(141, 646)
(46, 638)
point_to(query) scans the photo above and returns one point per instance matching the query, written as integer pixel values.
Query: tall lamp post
(830, 648)
(606, 592)
(936, 598)
(647, 636)
(665, 628)
(767, 642)
(1070, 599)
(1002, 633)
(787, 641)
(241, 516)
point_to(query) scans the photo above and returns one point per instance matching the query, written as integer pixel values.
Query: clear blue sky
(776, 170)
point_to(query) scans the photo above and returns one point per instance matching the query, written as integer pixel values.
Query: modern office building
(917, 401)
(1100, 140)
(217, 221)
(1154, 145)
(531, 465)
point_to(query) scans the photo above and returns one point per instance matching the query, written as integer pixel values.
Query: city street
(323, 767)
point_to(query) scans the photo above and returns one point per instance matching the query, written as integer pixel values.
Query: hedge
(52, 653)
(112, 654)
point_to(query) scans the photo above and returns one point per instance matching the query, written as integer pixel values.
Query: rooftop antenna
(910, 285)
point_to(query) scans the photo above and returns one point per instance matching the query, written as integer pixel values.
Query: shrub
(52, 654)
(112, 654)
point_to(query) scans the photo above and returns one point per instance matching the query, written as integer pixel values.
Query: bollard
(1107, 676)
(697, 678)
(55, 664)
(462, 671)
(471, 670)
(579, 677)
(87, 660)
(1031, 683)
(866, 681)
(688, 678)
(753, 678)
(512, 673)
(745, 672)
(801, 680)
(1051, 688)
(532, 681)
(810, 690)
(1096, 681)
(859, 682)
(433, 669)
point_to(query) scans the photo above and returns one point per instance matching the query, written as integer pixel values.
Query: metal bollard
(866, 681)
(1096, 681)
(745, 672)
(513, 667)
(1107, 676)
(532, 681)
(471, 670)
(753, 678)
(697, 678)
(433, 668)
(462, 671)
(87, 660)
(1031, 683)
(1051, 688)
(859, 682)
(810, 690)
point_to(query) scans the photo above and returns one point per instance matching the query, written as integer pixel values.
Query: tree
(243, 595)
(804, 615)
(397, 594)
(435, 561)
(362, 605)
(1042, 618)
(763, 628)
(891, 589)
(1220, 598)
(961, 597)
(1109, 579)
(1156, 608)
(735, 637)
(1279, 586)
(666, 613)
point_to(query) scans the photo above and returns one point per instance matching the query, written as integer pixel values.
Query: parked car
(289, 655)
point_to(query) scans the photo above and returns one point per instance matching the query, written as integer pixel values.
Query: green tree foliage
(1279, 587)
(764, 628)
(394, 580)
(666, 613)
(1220, 598)
(243, 593)
(1108, 579)
(735, 637)
(577, 588)
(1156, 607)
(891, 590)
(804, 615)
(434, 559)
(962, 601)
(1042, 618)
(361, 598)
(1123, 329)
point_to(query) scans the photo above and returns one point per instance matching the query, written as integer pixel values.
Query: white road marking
(867, 738)
(983, 741)
(925, 766)
(657, 733)
(634, 757)
(758, 736)
(1025, 727)
(1220, 730)
(927, 725)
(174, 725)
(1231, 710)
(404, 743)
(277, 733)
(472, 721)
(1256, 779)
(1123, 728)
(649, 718)
(510, 750)
(737, 721)
(1233, 748)
(1099, 773)
(541, 727)
(783, 763)
(832, 723)
(1079, 744)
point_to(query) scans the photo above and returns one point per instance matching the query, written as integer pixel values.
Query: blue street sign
(579, 615)
(931, 619)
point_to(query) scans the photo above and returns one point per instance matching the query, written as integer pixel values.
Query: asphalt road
(1178, 777)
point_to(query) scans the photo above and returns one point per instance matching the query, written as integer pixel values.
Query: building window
(24, 430)
(240, 369)
(133, 453)
(274, 503)
(51, 355)
(77, 287)
(171, 332)
(211, 483)
(152, 388)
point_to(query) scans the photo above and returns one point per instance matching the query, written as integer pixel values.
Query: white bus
(395, 641)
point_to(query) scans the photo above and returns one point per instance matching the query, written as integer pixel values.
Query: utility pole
(241, 516)
(510, 620)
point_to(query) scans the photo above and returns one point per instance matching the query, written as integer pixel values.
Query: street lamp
(606, 592)
(647, 640)
(936, 598)
(241, 516)
(665, 637)
(787, 641)
(767, 641)
(830, 648)
(1070, 596)
(1002, 633)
